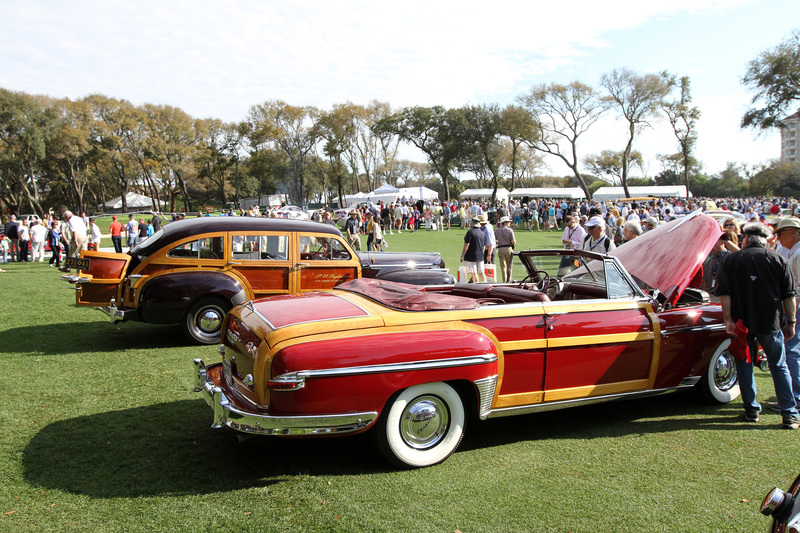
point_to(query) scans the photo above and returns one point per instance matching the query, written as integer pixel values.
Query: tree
(518, 125)
(480, 137)
(337, 128)
(561, 114)
(289, 128)
(683, 119)
(774, 78)
(431, 130)
(109, 123)
(780, 178)
(26, 126)
(70, 155)
(608, 164)
(637, 97)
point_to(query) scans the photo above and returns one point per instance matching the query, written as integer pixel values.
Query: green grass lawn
(101, 432)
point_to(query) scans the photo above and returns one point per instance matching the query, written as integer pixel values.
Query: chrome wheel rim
(424, 422)
(724, 371)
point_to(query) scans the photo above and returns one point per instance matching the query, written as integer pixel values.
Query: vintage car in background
(784, 508)
(193, 271)
(293, 212)
(415, 363)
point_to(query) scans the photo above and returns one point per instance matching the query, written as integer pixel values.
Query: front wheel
(423, 425)
(203, 320)
(720, 383)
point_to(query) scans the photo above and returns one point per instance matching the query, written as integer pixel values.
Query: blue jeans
(793, 362)
(772, 343)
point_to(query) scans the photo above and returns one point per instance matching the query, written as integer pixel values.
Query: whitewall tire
(422, 426)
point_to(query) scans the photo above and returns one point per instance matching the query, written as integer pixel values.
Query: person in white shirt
(95, 240)
(38, 236)
(78, 240)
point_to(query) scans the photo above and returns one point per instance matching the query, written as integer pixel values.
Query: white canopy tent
(502, 194)
(549, 192)
(388, 194)
(134, 202)
(604, 194)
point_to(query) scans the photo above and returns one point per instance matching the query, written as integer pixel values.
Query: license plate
(79, 263)
(226, 371)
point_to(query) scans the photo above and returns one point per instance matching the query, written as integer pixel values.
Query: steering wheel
(322, 251)
(541, 284)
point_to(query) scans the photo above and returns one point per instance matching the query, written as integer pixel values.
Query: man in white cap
(597, 240)
(788, 232)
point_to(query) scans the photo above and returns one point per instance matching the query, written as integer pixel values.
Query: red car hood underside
(668, 257)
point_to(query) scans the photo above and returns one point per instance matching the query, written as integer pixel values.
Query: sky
(219, 58)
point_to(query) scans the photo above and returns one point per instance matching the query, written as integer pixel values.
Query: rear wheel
(423, 425)
(203, 320)
(720, 383)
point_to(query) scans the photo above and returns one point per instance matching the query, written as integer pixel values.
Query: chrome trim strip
(713, 327)
(297, 379)
(486, 388)
(552, 406)
(262, 424)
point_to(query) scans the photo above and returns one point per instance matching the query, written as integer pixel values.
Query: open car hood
(668, 257)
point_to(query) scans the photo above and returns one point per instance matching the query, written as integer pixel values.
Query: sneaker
(791, 422)
(773, 406)
(751, 415)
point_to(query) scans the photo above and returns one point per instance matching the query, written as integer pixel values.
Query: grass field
(101, 432)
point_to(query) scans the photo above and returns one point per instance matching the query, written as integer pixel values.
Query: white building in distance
(789, 138)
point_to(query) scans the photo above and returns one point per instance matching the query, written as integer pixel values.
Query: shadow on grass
(88, 337)
(678, 411)
(169, 448)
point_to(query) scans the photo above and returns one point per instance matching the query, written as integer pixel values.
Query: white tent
(604, 194)
(133, 201)
(502, 194)
(388, 194)
(549, 192)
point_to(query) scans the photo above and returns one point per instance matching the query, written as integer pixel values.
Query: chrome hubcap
(424, 422)
(724, 371)
(209, 320)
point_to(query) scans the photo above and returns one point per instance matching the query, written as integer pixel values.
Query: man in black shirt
(472, 253)
(756, 287)
(11, 232)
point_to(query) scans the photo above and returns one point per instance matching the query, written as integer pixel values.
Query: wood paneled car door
(263, 259)
(324, 261)
(603, 346)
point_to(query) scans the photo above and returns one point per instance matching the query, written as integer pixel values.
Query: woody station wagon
(413, 364)
(193, 271)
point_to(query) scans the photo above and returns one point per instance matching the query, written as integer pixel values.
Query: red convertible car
(415, 364)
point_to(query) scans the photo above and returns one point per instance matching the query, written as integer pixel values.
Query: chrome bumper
(262, 424)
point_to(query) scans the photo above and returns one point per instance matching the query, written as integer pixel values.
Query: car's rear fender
(164, 298)
(361, 372)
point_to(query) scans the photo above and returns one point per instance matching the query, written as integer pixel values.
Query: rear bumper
(116, 314)
(225, 414)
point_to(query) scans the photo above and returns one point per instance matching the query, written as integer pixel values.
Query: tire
(203, 320)
(720, 383)
(421, 426)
